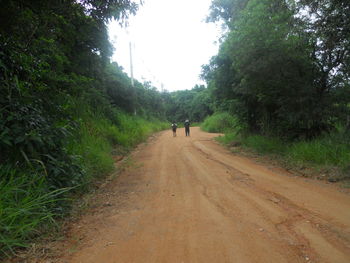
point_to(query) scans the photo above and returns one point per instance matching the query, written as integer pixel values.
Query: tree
(267, 71)
(53, 54)
(328, 23)
(194, 104)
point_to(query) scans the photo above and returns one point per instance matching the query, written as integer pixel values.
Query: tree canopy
(282, 66)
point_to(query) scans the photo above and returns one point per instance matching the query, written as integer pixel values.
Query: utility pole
(132, 78)
(131, 66)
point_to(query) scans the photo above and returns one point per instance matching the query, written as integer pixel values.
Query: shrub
(228, 138)
(220, 122)
(327, 150)
(25, 204)
(264, 144)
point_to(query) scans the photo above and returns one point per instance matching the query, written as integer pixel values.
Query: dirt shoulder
(188, 199)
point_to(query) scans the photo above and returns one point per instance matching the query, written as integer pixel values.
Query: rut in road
(187, 199)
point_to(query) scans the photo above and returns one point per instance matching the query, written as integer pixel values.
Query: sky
(170, 42)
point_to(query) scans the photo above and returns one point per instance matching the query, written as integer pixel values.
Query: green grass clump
(93, 143)
(134, 129)
(98, 136)
(25, 204)
(260, 144)
(222, 122)
(228, 138)
(329, 150)
(264, 145)
(326, 150)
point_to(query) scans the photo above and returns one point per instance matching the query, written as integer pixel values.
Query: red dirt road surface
(188, 200)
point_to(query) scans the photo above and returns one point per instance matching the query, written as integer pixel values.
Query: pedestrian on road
(174, 127)
(187, 127)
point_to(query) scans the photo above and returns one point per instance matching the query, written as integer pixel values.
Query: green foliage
(194, 104)
(264, 145)
(226, 10)
(98, 136)
(331, 150)
(134, 129)
(25, 204)
(220, 122)
(63, 107)
(282, 73)
(260, 144)
(228, 138)
(93, 145)
(26, 201)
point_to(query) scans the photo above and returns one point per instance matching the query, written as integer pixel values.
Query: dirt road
(187, 199)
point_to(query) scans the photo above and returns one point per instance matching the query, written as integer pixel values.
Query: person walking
(174, 127)
(187, 127)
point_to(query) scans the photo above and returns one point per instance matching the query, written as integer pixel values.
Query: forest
(282, 72)
(283, 66)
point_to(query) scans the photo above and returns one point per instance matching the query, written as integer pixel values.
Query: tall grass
(94, 143)
(221, 122)
(25, 204)
(228, 138)
(329, 150)
(134, 129)
(98, 137)
(326, 150)
(264, 145)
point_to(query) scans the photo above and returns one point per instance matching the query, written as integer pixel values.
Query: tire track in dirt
(299, 224)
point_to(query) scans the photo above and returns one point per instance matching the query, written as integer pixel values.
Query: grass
(264, 145)
(98, 137)
(221, 122)
(328, 151)
(25, 205)
(133, 129)
(228, 138)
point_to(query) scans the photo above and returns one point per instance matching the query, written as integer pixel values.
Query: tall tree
(278, 71)
(328, 23)
(52, 53)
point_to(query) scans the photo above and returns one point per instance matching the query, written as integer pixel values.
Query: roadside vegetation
(220, 122)
(65, 110)
(328, 154)
(280, 83)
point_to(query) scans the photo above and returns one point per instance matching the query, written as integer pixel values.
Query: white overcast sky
(170, 42)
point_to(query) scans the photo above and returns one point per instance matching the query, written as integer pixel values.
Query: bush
(220, 122)
(327, 150)
(26, 199)
(98, 136)
(228, 138)
(264, 145)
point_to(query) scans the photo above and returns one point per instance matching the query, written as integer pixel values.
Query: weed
(327, 152)
(24, 205)
(264, 145)
(220, 122)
